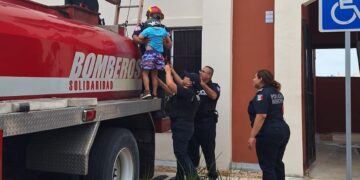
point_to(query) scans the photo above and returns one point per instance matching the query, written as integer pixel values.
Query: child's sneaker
(146, 95)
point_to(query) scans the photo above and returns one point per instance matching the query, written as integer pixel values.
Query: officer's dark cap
(195, 78)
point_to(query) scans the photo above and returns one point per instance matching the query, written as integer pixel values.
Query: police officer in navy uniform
(269, 130)
(184, 105)
(205, 123)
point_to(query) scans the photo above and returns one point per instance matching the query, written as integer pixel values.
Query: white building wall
(288, 69)
(215, 17)
(184, 13)
(217, 52)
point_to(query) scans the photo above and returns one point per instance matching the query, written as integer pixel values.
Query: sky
(331, 62)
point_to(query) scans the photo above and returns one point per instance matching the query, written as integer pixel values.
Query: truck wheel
(114, 156)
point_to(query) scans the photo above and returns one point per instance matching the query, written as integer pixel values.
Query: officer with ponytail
(270, 133)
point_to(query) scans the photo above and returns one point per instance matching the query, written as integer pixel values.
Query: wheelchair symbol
(345, 5)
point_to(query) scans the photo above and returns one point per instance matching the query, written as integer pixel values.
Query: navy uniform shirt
(269, 101)
(139, 29)
(184, 103)
(207, 105)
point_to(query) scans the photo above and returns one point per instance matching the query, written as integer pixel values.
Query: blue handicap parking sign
(339, 15)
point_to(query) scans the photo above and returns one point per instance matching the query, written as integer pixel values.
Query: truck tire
(114, 156)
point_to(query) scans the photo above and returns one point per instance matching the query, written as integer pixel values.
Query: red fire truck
(69, 97)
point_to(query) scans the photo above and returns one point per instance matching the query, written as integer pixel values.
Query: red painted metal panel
(253, 49)
(330, 104)
(37, 42)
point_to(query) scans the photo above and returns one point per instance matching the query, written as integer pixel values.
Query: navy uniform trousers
(270, 147)
(204, 136)
(182, 131)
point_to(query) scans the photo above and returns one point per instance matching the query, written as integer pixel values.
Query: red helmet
(154, 10)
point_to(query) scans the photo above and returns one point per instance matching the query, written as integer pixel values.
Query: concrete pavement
(161, 176)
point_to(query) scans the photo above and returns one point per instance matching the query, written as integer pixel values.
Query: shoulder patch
(215, 85)
(259, 97)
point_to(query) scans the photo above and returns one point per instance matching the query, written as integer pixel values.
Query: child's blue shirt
(156, 36)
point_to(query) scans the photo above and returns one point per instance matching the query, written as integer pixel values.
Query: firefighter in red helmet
(153, 61)
(154, 16)
(153, 12)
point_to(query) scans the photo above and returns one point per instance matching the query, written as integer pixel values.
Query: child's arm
(137, 39)
(167, 42)
(140, 38)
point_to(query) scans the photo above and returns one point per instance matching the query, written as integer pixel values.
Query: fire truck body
(46, 54)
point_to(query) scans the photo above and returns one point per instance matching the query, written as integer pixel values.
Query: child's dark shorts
(152, 60)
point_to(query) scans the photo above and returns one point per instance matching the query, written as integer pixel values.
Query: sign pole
(348, 106)
(334, 17)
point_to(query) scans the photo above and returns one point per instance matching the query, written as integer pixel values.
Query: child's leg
(159, 66)
(145, 77)
(154, 75)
